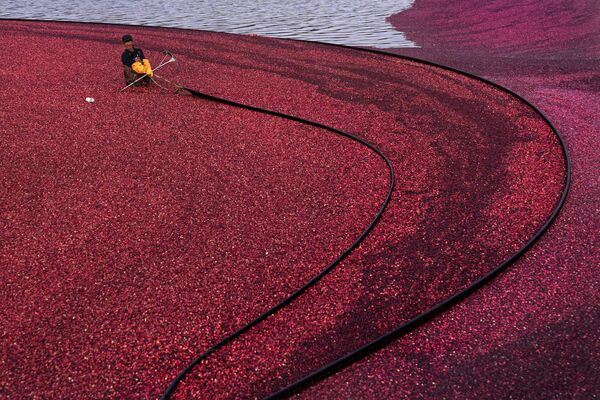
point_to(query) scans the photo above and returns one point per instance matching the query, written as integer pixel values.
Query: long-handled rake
(162, 63)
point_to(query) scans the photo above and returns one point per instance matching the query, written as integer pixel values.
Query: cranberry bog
(141, 229)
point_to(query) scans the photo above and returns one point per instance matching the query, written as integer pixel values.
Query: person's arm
(125, 60)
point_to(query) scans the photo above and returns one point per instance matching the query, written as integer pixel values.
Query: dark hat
(127, 38)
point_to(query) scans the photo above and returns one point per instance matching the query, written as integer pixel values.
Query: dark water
(350, 22)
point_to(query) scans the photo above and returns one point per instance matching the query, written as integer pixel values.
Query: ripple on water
(349, 22)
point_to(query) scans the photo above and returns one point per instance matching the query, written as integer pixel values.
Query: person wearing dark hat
(135, 65)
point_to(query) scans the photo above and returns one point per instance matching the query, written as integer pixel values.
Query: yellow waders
(143, 68)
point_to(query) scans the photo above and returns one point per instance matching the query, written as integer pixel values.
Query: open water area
(348, 22)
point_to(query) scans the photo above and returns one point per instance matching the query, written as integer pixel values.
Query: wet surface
(350, 22)
(138, 234)
(533, 332)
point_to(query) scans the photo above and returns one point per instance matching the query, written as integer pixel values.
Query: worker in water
(135, 65)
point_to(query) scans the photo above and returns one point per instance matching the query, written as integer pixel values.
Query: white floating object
(90, 99)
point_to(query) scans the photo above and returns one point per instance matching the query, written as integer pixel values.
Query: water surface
(350, 22)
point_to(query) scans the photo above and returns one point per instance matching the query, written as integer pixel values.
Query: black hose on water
(173, 385)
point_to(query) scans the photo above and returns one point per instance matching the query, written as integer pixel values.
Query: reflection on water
(350, 22)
